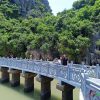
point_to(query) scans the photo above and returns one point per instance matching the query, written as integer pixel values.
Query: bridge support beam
(4, 75)
(45, 87)
(15, 80)
(67, 90)
(29, 82)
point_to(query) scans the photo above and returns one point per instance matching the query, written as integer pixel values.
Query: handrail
(90, 88)
(68, 73)
(78, 75)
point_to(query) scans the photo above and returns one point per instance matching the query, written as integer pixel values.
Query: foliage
(98, 42)
(69, 32)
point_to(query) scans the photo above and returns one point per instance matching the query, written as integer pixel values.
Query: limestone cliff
(32, 7)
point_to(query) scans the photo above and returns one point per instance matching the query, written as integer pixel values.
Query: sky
(60, 5)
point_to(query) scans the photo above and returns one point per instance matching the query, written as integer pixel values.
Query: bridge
(71, 76)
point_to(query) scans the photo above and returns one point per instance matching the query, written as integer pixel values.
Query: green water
(9, 93)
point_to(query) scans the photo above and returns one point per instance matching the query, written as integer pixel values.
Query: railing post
(83, 67)
(71, 65)
(7, 62)
(97, 71)
(68, 72)
(83, 64)
(83, 84)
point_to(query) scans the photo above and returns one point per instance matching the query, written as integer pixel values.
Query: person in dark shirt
(64, 60)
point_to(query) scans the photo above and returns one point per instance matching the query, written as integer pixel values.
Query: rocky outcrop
(27, 6)
(37, 54)
(93, 54)
(45, 2)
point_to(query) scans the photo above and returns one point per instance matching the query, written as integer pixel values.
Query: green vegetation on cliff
(69, 32)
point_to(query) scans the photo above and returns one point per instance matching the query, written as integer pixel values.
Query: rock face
(93, 57)
(45, 2)
(27, 6)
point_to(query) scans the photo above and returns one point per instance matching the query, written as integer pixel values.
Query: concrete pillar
(4, 75)
(67, 91)
(29, 82)
(15, 80)
(45, 87)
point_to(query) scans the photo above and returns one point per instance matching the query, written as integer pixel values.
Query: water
(16, 93)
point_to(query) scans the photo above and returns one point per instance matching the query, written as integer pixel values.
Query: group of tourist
(63, 60)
